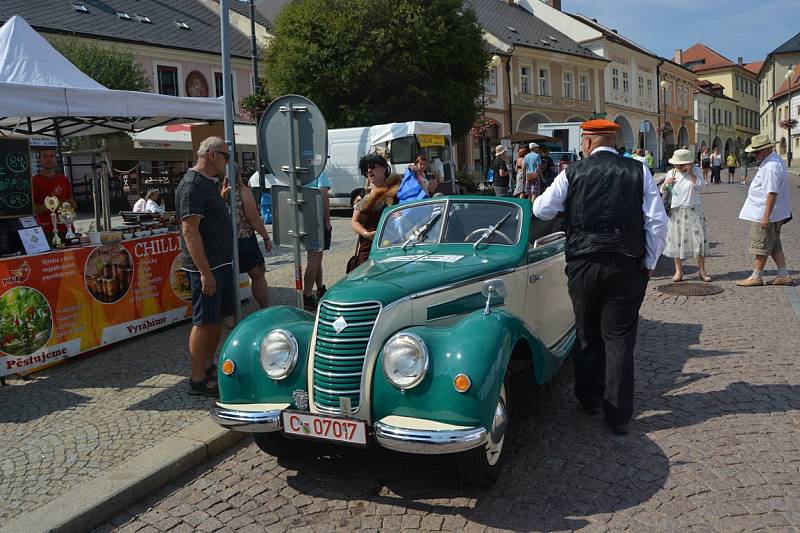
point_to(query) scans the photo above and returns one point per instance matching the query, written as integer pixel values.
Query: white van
(402, 141)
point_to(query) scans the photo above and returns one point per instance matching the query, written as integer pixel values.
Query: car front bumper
(414, 435)
(398, 433)
(252, 418)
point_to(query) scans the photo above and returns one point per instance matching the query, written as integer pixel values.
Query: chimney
(678, 58)
(555, 4)
(511, 2)
(740, 61)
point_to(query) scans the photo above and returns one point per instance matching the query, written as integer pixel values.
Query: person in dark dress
(616, 229)
(367, 210)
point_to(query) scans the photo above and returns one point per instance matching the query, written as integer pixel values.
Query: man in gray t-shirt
(206, 257)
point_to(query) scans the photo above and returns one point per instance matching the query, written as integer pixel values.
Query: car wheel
(481, 466)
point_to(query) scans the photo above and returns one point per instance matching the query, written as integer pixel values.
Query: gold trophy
(51, 203)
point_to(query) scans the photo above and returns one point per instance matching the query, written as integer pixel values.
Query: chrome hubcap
(497, 435)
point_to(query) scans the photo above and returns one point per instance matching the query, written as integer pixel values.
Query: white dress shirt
(772, 176)
(551, 202)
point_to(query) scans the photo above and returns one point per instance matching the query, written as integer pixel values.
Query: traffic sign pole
(289, 109)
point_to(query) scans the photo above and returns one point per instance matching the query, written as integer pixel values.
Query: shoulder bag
(666, 196)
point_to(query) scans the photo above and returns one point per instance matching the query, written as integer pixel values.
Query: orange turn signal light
(462, 383)
(228, 367)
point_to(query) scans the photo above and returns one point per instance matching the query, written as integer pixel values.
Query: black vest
(603, 209)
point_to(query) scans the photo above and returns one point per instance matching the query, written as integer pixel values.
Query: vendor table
(69, 301)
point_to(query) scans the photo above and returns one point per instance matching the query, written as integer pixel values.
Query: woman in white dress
(686, 234)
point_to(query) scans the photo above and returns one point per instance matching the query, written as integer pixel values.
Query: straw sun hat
(681, 157)
(759, 142)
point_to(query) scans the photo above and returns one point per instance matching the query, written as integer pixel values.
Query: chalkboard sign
(16, 197)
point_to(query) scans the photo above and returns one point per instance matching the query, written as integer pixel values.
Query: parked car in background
(413, 350)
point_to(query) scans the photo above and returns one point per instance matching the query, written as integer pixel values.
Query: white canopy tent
(179, 137)
(396, 130)
(44, 94)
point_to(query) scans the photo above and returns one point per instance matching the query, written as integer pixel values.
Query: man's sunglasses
(226, 155)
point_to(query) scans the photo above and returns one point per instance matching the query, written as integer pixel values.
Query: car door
(548, 310)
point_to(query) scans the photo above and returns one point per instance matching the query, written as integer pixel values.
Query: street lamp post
(789, 129)
(664, 84)
(497, 60)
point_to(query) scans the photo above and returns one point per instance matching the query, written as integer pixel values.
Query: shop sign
(430, 140)
(157, 145)
(67, 302)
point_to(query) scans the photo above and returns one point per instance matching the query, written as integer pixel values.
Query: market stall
(62, 293)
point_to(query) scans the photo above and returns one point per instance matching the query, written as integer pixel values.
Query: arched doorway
(648, 138)
(531, 121)
(576, 119)
(739, 145)
(626, 132)
(728, 146)
(683, 138)
(782, 146)
(717, 143)
(703, 145)
(669, 141)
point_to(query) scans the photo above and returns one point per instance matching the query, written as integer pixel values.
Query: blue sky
(734, 28)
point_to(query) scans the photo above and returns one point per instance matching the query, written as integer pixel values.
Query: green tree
(112, 67)
(372, 61)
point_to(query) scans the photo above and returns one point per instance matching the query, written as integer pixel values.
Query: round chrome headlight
(405, 360)
(278, 354)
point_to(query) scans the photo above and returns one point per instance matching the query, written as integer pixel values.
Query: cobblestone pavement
(69, 423)
(715, 444)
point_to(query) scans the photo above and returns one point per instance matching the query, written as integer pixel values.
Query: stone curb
(98, 500)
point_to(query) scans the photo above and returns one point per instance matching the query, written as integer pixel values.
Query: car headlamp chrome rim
(278, 354)
(405, 360)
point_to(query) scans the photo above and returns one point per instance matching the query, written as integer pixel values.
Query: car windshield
(469, 221)
(466, 222)
(413, 225)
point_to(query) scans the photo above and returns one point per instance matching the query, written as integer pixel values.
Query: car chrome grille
(339, 357)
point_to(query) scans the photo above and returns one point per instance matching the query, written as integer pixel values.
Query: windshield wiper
(490, 231)
(421, 231)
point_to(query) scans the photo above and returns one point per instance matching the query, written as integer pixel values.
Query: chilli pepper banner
(67, 302)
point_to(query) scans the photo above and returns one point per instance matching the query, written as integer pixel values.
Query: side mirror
(493, 288)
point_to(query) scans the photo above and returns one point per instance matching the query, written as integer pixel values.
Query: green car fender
(479, 346)
(249, 383)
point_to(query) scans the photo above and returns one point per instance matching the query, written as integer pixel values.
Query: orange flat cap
(599, 126)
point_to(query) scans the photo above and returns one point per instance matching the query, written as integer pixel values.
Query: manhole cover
(690, 289)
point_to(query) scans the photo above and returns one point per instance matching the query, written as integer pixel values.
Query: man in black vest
(616, 230)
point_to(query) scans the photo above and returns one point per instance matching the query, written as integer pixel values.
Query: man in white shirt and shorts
(767, 208)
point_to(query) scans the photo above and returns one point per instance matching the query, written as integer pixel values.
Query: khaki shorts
(765, 241)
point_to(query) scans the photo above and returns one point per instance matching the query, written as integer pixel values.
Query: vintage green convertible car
(411, 350)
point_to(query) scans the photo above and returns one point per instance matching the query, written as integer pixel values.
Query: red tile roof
(699, 57)
(784, 88)
(754, 67)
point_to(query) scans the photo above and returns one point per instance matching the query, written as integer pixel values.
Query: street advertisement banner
(66, 302)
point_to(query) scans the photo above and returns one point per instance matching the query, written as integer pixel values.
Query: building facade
(631, 81)
(713, 112)
(773, 101)
(738, 82)
(537, 75)
(676, 84)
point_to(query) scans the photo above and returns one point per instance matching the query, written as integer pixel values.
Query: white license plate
(325, 427)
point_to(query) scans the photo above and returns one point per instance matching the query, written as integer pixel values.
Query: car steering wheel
(482, 230)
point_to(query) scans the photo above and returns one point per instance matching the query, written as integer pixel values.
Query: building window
(615, 79)
(544, 82)
(649, 89)
(738, 83)
(525, 80)
(491, 81)
(568, 85)
(625, 85)
(219, 89)
(641, 86)
(167, 80)
(583, 87)
(668, 95)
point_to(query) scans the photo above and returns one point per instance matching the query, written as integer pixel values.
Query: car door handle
(535, 278)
